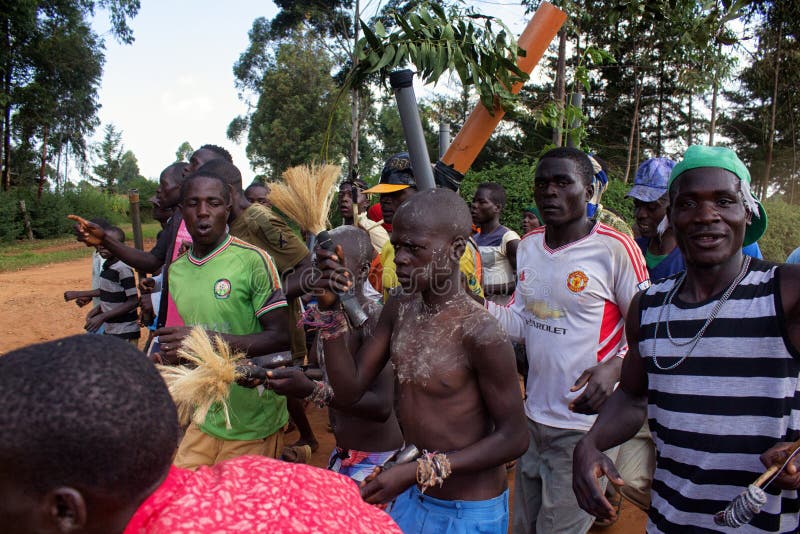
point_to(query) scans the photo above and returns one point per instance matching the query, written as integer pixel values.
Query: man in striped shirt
(575, 278)
(713, 364)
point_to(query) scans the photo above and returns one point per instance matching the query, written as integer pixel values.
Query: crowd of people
(662, 358)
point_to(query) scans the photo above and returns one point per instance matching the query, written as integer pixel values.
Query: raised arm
(351, 375)
(92, 234)
(619, 419)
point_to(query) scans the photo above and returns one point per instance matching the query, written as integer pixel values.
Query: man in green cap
(713, 364)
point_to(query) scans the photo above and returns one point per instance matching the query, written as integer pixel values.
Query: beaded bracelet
(330, 323)
(432, 468)
(322, 395)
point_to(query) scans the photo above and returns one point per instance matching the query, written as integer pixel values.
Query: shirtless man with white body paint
(458, 392)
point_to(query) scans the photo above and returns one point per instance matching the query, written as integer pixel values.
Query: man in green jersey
(230, 288)
(260, 226)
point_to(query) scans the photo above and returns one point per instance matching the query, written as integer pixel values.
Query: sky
(175, 82)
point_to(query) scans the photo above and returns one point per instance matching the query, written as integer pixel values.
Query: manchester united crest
(576, 281)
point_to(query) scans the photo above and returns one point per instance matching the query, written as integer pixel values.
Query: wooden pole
(26, 220)
(136, 222)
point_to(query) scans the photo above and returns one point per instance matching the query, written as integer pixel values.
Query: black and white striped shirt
(117, 283)
(731, 400)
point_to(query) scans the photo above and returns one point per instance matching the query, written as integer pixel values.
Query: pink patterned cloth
(181, 237)
(257, 494)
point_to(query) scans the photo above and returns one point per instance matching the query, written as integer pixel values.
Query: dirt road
(33, 304)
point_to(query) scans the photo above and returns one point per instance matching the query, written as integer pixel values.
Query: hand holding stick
(743, 508)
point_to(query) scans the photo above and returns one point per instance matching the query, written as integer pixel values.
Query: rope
(742, 509)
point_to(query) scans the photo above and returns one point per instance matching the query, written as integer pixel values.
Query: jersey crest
(577, 281)
(222, 288)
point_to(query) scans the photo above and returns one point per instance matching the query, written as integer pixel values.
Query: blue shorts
(419, 514)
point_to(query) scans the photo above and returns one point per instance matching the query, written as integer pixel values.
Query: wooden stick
(769, 473)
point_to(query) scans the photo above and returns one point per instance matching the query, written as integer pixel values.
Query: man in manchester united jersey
(575, 279)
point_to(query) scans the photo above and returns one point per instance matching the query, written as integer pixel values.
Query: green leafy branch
(480, 49)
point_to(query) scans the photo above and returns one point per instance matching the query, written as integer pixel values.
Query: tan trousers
(198, 448)
(636, 463)
(543, 499)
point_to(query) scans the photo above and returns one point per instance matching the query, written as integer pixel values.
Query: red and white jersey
(569, 307)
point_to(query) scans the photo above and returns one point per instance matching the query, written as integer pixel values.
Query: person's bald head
(225, 170)
(169, 185)
(436, 211)
(357, 248)
(203, 155)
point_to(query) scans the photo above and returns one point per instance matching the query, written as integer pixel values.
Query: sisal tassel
(305, 195)
(196, 388)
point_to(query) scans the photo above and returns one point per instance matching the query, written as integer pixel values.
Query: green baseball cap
(723, 158)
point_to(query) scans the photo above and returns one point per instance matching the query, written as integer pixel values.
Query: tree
(50, 61)
(297, 100)
(110, 152)
(184, 152)
(764, 120)
(337, 22)
(128, 173)
(60, 102)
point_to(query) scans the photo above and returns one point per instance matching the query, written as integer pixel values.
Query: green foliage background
(49, 214)
(517, 180)
(783, 231)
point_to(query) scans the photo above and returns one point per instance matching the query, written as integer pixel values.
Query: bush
(516, 179)
(614, 200)
(10, 220)
(48, 214)
(783, 233)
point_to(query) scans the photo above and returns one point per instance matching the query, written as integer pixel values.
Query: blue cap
(652, 179)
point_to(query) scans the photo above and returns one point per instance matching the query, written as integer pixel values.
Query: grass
(31, 258)
(24, 254)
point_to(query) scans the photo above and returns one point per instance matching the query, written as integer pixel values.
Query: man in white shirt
(575, 280)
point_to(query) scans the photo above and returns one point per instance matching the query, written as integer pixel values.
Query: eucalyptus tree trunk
(712, 128)
(43, 166)
(560, 85)
(660, 120)
(355, 102)
(5, 121)
(690, 131)
(637, 96)
(771, 138)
